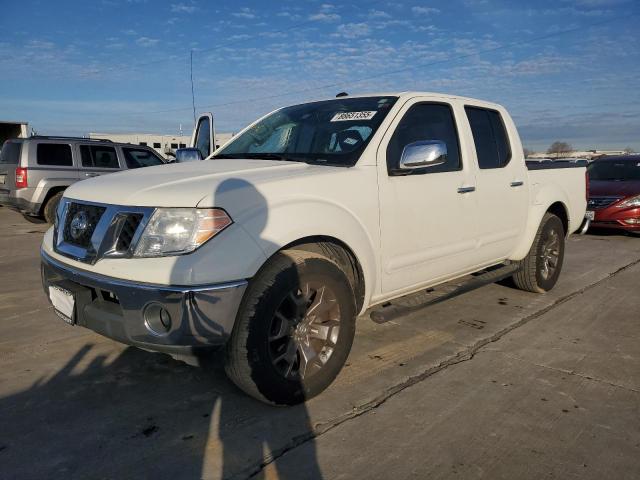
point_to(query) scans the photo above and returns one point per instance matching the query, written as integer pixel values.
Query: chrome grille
(99, 231)
(128, 231)
(601, 202)
(80, 223)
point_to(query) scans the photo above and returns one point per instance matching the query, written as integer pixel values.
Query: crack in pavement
(565, 371)
(460, 357)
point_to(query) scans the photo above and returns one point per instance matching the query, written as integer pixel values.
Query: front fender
(287, 221)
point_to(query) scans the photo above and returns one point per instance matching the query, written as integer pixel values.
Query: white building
(10, 129)
(165, 145)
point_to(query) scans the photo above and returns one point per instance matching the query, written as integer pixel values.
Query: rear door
(98, 159)
(501, 190)
(52, 161)
(204, 135)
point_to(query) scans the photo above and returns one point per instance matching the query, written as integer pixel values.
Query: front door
(427, 214)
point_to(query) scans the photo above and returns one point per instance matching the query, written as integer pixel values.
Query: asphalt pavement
(496, 383)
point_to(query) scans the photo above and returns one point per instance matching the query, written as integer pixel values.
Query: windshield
(615, 170)
(333, 132)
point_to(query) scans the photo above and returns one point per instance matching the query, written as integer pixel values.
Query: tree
(559, 149)
(629, 150)
(528, 152)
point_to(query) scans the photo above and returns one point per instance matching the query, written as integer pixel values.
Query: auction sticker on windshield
(346, 116)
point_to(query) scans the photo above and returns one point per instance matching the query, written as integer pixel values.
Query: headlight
(174, 231)
(630, 202)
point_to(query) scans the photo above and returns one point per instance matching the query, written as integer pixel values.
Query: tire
(541, 267)
(50, 208)
(297, 298)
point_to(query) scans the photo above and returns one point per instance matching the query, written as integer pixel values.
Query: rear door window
(11, 152)
(490, 137)
(138, 157)
(54, 154)
(99, 156)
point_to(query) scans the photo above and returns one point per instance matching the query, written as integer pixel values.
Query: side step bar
(415, 302)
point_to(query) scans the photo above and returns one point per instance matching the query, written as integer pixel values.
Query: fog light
(157, 319)
(632, 221)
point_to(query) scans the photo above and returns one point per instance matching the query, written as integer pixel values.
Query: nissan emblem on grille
(79, 224)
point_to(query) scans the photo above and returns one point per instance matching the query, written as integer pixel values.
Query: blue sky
(567, 69)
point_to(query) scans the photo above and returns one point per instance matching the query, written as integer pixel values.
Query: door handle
(517, 183)
(91, 174)
(466, 189)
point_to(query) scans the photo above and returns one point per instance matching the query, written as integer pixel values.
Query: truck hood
(609, 188)
(182, 184)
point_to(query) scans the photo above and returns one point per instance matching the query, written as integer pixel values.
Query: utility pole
(193, 98)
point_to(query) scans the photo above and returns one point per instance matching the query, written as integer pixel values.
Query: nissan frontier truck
(309, 217)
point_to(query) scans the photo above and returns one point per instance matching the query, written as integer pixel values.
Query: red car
(614, 192)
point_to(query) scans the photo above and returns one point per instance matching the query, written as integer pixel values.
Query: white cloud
(325, 17)
(424, 10)
(246, 13)
(353, 30)
(147, 42)
(378, 14)
(182, 8)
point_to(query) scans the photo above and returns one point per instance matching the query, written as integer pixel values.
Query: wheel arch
(559, 209)
(50, 193)
(339, 252)
(536, 214)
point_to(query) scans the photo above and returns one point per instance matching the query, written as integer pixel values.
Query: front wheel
(540, 269)
(294, 329)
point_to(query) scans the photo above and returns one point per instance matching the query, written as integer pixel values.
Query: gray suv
(35, 171)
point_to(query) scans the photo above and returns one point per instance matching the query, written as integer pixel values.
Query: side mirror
(422, 154)
(188, 155)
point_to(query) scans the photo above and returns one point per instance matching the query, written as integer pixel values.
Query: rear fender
(543, 197)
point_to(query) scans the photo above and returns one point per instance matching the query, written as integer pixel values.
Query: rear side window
(54, 154)
(426, 121)
(11, 152)
(490, 137)
(137, 158)
(97, 156)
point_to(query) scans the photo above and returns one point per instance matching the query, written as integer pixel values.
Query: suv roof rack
(58, 137)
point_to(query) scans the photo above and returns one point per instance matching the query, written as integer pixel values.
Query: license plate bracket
(63, 302)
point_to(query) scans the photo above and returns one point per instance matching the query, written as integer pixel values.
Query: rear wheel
(50, 208)
(294, 329)
(541, 267)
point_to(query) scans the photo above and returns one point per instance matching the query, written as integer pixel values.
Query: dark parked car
(614, 192)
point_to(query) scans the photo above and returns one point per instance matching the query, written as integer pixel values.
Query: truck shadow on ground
(143, 415)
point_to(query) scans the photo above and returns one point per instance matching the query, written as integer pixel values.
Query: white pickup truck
(310, 216)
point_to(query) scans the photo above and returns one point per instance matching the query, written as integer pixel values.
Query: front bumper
(618, 218)
(201, 316)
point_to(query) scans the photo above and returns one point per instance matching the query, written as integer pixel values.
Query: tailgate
(9, 161)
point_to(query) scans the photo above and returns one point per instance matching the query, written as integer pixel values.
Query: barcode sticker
(346, 116)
